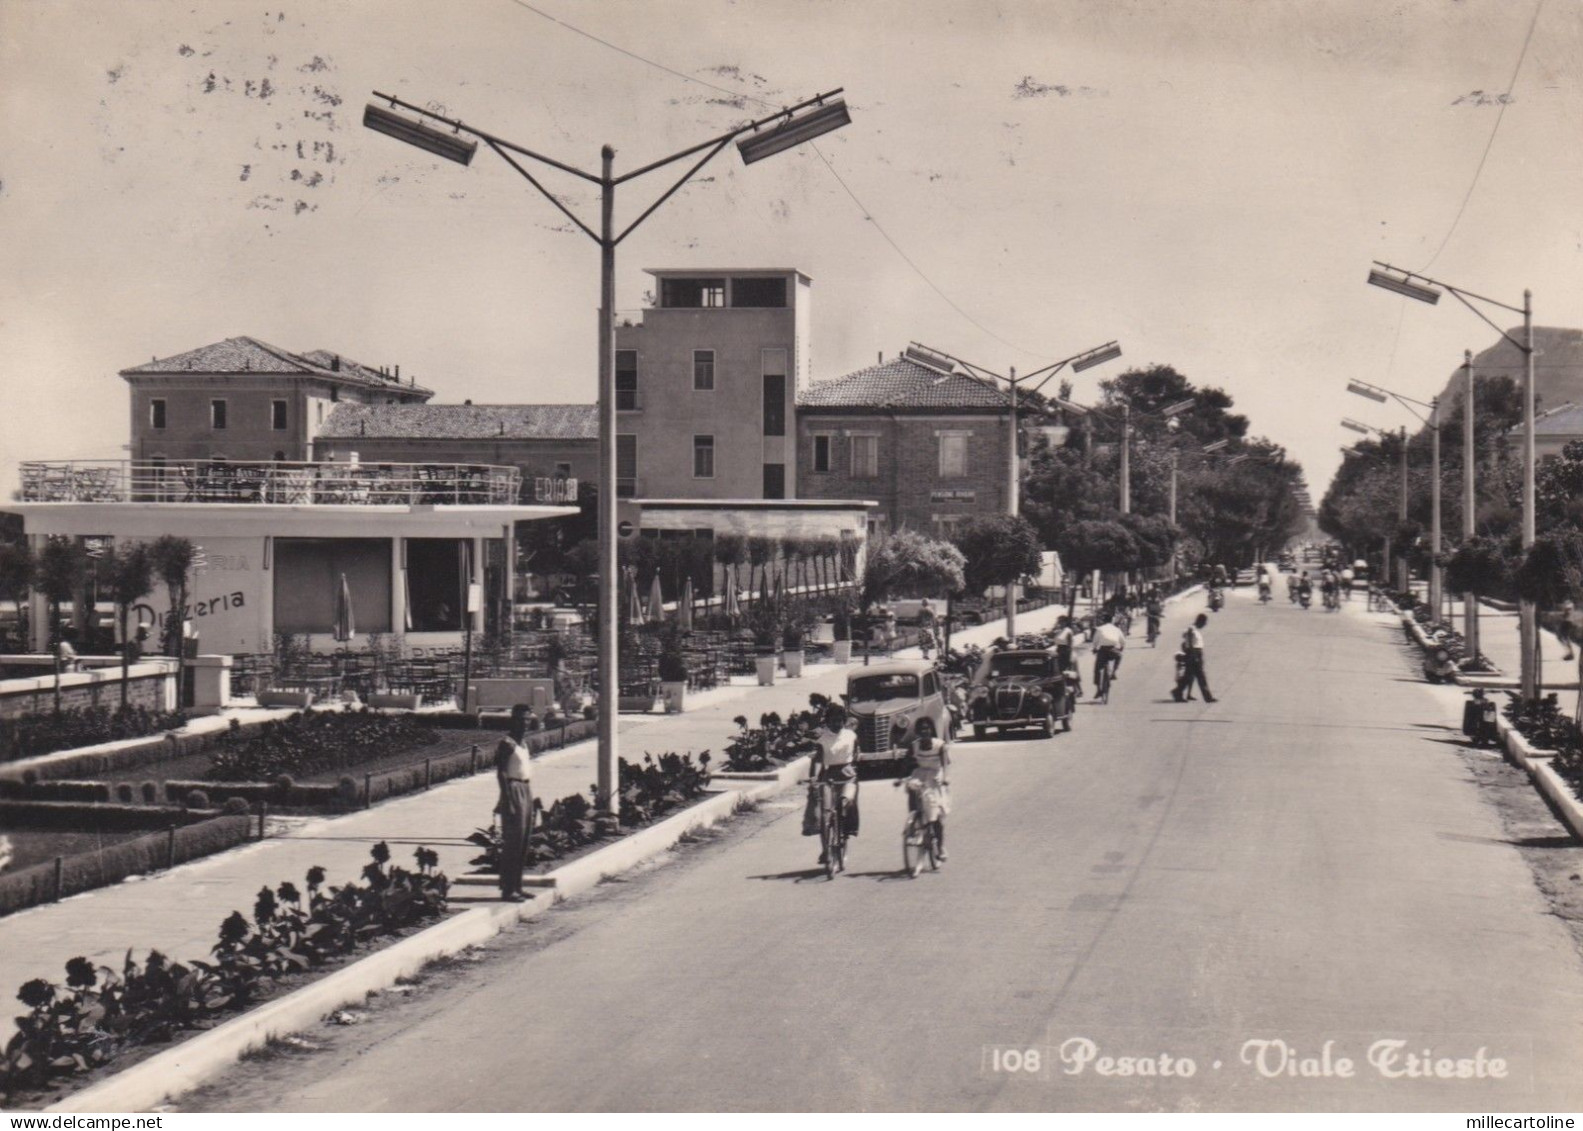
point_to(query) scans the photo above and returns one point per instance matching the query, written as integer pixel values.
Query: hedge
(252, 792)
(84, 791)
(134, 755)
(28, 887)
(67, 816)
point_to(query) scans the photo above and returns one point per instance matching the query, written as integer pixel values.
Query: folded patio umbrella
(656, 601)
(684, 611)
(345, 623)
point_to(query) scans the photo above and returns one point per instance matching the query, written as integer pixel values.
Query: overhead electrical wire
(867, 213)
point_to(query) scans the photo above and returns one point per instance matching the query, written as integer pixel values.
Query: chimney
(398, 374)
(362, 427)
(881, 357)
(335, 363)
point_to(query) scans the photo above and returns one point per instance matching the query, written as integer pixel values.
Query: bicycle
(1154, 630)
(919, 838)
(1102, 682)
(832, 827)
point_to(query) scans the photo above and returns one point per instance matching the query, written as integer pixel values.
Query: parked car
(887, 700)
(1021, 688)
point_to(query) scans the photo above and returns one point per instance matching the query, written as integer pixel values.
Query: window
(704, 370)
(156, 413)
(774, 480)
(563, 471)
(865, 457)
(308, 573)
(953, 454)
(217, 414)
(692, 292)
(945, 525)
(277, 415)
(626, 465)
(703, 457)
(758, 292)
(821, 452)
(435, 577)
(335, 394)
(626, 380)
(772, 363)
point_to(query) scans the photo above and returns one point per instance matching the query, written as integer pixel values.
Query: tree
(62, 568)
(172, 559)
(997, 549)
(131, 578)
(905, 562)
(1482, 566)
(17, 570)
(1097, 545)
(1551, 572)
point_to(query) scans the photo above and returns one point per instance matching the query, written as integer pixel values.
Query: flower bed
(32, 735)
(99, 1013)
(775, 741)
(47, 882)
(1548, 729)
(312, 742)
(648, 790)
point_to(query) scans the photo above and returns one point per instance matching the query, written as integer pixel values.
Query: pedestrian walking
(514, 771)
(1564, 629)
(1193, 662)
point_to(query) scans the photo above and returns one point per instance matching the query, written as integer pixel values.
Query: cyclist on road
(835, 761)
(1155, 611)
(1108, 646)
(1347, 578)
(926, 785)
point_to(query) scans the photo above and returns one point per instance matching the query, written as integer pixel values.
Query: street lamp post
(1423, 289)
(1470, 605)
(788, 128)
(1078, 361)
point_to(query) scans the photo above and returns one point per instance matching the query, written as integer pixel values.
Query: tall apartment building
(707, 383)
(243, 399)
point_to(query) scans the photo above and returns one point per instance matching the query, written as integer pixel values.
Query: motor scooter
(1305, 597)
(1438, 665)
(1216, 599)
(1478, 719)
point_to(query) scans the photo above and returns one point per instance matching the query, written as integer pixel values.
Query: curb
(1559, 793)
(206, 1054)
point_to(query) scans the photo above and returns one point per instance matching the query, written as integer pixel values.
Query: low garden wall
(150, 683)
(71, 875)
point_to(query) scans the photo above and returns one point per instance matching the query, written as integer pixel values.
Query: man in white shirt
(1193, 649)
(1108, 645)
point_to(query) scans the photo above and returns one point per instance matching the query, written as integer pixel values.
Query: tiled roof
(903, 384)
(249, 355)
(462, 422)
(1567, 420)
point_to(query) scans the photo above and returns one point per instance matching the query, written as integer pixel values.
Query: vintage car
(1019, 688)
(887, 700)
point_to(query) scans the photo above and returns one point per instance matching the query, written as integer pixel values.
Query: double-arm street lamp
(1424, 289)
(1078, 361)
(1377, 393)
(764, 137)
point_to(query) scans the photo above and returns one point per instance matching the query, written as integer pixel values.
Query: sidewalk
(179, 911)
(1498, 639)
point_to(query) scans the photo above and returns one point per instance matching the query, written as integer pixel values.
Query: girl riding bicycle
(926, 785)
(835, 761)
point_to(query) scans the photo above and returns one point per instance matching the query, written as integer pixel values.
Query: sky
(1205, 181)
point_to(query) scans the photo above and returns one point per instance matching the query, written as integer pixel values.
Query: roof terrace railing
(279, 482)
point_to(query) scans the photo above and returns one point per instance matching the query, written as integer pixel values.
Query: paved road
(1304, 862)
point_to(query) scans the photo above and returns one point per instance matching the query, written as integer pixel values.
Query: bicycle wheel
(838, 843)
(828, 824)
(1102, 692)
(931, 847)
(912, 845)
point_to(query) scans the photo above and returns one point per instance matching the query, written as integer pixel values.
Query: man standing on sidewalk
(1193, 650)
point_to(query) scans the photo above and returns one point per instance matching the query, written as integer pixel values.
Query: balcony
(280, 483)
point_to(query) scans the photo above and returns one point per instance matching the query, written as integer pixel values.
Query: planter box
(298, 699)
(793, 663)
(1559, 793)
(766, 670)
(393, 699)
(674, 695)
(841, 652)
(641, 703)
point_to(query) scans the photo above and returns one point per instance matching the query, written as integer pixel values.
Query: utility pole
(1012, 490)
(1470, 606)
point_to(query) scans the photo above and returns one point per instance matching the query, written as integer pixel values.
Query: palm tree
(62, 567)
(131, 576)
(17, 570)
(172, 559)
